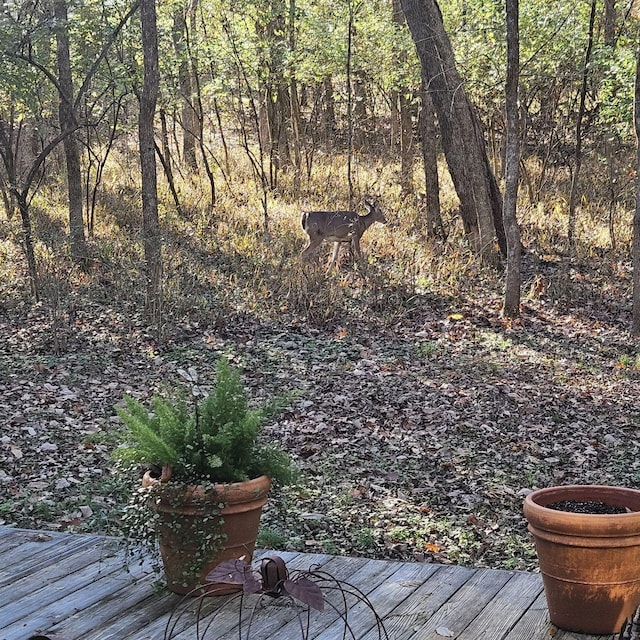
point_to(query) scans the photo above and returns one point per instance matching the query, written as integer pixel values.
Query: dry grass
(221, 262)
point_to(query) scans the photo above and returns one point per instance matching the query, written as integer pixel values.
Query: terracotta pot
(590, 563)
(187, 514)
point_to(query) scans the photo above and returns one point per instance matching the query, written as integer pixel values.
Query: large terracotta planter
(189, 514)
(590, 563)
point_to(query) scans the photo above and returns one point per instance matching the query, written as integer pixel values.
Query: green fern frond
(223, 445)
(148, 444)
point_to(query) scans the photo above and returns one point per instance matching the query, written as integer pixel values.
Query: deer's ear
(368, 206)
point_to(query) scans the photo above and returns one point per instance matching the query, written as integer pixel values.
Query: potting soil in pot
(574, 506)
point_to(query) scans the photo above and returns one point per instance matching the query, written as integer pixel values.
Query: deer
(339, 227)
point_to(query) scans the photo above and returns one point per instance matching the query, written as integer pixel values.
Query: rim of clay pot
(247, 491)
(590, 524)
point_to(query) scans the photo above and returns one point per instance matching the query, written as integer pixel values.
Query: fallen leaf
(63, 483)
(86, 511)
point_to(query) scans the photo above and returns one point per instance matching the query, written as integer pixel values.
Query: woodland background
(151, 222)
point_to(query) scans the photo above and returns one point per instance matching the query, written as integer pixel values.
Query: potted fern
(209, 476)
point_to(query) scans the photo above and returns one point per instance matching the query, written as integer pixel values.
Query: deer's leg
(307, 252)
(334, 255)
(355, 246)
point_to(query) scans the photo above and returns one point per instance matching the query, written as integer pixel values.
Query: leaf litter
(417, 441)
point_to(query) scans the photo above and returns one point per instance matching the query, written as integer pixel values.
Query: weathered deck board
(77, 586)
(504, 609)
(287, 625)
(411, 616)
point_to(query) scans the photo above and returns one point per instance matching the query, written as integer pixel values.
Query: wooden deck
(76, 587)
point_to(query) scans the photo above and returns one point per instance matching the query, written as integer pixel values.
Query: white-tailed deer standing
(339, 227)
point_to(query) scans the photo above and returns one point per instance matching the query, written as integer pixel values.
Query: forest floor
(416, 440)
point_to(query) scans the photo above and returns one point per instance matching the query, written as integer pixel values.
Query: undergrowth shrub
(310, 294)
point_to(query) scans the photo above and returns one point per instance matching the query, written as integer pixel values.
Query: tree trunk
(573, 195)
(405, 119)
(350, 104)
(294, 108)
(27, 237)
(608, 135)
(278, 114)
(430, 161)
(462, 137)
(635, 257)
(394, 121)
(275, 91)
(610, 20)
(68, 123)
(201, 139)
(296, 138)
(166, 149)
(165, 161)
(188, 114)
(406, 144)
(511, 308)
(150, 224)
(360, 123)
(327, 112)
(7, 142)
